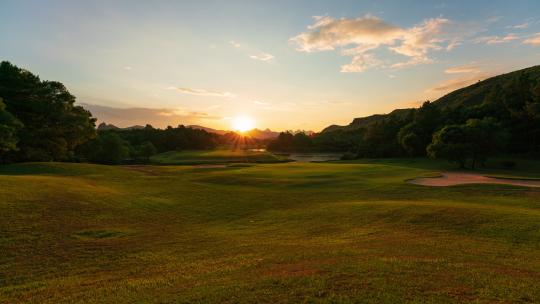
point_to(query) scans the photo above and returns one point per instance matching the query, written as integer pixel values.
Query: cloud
(458, 83)
(360, 37)
(328, 33)
(158, 117)
(261, 103)
(497, 39)
(467, 68)
(521, 26)
(360, 63)
(412, 62)
(262, 56)
(534, 40)
(252, 53)
(202, 92)
(128, 68)
(235, 44)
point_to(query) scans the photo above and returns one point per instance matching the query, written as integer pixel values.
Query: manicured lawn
(215, 156)
(264, 233)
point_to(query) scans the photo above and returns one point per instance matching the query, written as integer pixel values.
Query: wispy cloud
(533, 40)
(521, 26)
(359, 37)
(202, 92)
(252, 53)
(262, 56)
(497, 39)
(459, 82)
(466, 68)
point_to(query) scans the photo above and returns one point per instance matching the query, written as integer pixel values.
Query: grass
(216, 157)
(343, 232)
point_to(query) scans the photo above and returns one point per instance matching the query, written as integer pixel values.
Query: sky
(287, 65)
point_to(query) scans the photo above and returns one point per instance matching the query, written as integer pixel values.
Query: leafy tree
(416, 135)
(485, 137)
(476, 140)
(8, 129)
(450, 143)
(107, 148)
(283, 143)
(302, 142)
(147, 149)
(52, 126)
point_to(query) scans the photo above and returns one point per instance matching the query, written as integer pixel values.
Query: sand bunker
(460, 178)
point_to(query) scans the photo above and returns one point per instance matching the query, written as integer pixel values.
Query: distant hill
(363, 122)
(262, 134)
(255, 133)
(209, 130)
(104, 126)
(470, 96)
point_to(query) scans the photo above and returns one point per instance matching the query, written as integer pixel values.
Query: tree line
(498, 116)
(39, 121)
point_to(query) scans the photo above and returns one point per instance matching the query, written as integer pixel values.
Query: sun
(242, 123)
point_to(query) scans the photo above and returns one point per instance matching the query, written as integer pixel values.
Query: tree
(416, 135)
(9, 126)
(107, 148)
(485, 137)
(52, 125)
(450, 143)
(147, 149)
(283, 143)
(476, 140)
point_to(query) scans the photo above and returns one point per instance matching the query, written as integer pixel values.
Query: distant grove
(39, 121)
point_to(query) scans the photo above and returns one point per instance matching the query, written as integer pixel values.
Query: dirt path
(460, 178)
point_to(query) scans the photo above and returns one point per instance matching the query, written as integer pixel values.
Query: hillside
(104, 126)
(209, 130)
(470, 96)
(363, 122)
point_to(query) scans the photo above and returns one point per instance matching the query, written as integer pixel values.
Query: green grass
(215, 156)
(343, 232)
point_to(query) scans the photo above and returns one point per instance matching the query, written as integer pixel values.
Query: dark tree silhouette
(52, 126)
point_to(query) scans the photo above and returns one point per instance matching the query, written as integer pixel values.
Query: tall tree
(8, 129)
(53, 126)
(450, 143)
(475, 140)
